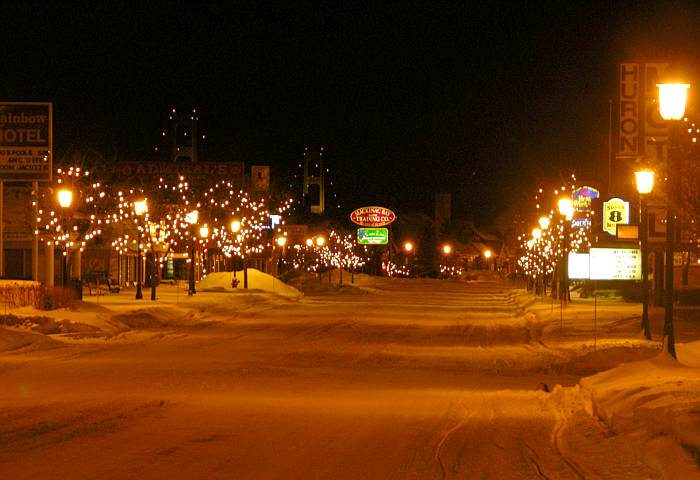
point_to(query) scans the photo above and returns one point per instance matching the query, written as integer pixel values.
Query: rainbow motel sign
(26, 141)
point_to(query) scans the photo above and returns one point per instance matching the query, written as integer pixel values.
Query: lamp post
(566, 209)
(487, 255)
(672, 100)
(140, 208)
(645, 183)
(65, 200)
(408, 249)
(203, 234)
(192, 218)
(281, 242)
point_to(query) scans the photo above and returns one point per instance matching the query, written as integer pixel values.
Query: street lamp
(281, 242)
(566, 210)
(487, 255)
(408, 247)
(140, 208)
(203, 234)
(446, 249)
(645, 184)
(320, 241)
(191, 218)
(672, 100)
(544, 222)
(235, 226)
(65, 199)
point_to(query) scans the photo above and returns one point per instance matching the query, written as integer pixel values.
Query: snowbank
(257, 280)
(658, 399)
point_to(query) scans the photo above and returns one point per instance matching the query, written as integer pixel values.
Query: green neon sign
(373, 236)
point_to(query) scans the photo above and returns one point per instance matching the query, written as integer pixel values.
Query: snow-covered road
(403, 379)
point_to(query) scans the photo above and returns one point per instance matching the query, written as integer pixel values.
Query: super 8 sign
(615, 211)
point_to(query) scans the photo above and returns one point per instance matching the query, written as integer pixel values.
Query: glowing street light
(309, 242)
(544, 222)
(235, 226)
(566, 207)
(446, 249)
(536, 233)
(644, 180)
(672, 100)
(645, 184)
(408, 247)
(281, 241)
(140, 208)
(204, 231)
(487, 255)
(192, 217)
(65, 198)
(320, 241)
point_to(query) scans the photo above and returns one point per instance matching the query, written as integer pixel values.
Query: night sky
(482, 101)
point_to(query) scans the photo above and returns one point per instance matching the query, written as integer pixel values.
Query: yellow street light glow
(204, 231)
(140, 207)
(672, 100)
(408, 247)
(536, 233)
(446, 249)
(281, 241)
(235, 226)
(192, 217)
(488, 253)
(309, 242)
(320, 241)
(645, 181)
(65, 198)
(544, 222)
(566, 207)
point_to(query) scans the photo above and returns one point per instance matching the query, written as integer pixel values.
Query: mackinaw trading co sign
(372, 216)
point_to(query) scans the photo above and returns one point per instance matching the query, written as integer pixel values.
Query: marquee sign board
(606, 264)
(26, 141)
(372, 217)
(615, 212)
(373, 236)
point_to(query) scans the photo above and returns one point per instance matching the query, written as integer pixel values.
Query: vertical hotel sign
(26, 141)
(642, 132)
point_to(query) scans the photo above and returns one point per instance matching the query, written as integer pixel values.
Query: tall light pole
(645, 183)
(487, 255)
(672, 100)
(203, 234)
(281, 242)
(140, 209)
(192, 218)
(65, 200)
(566, 209)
